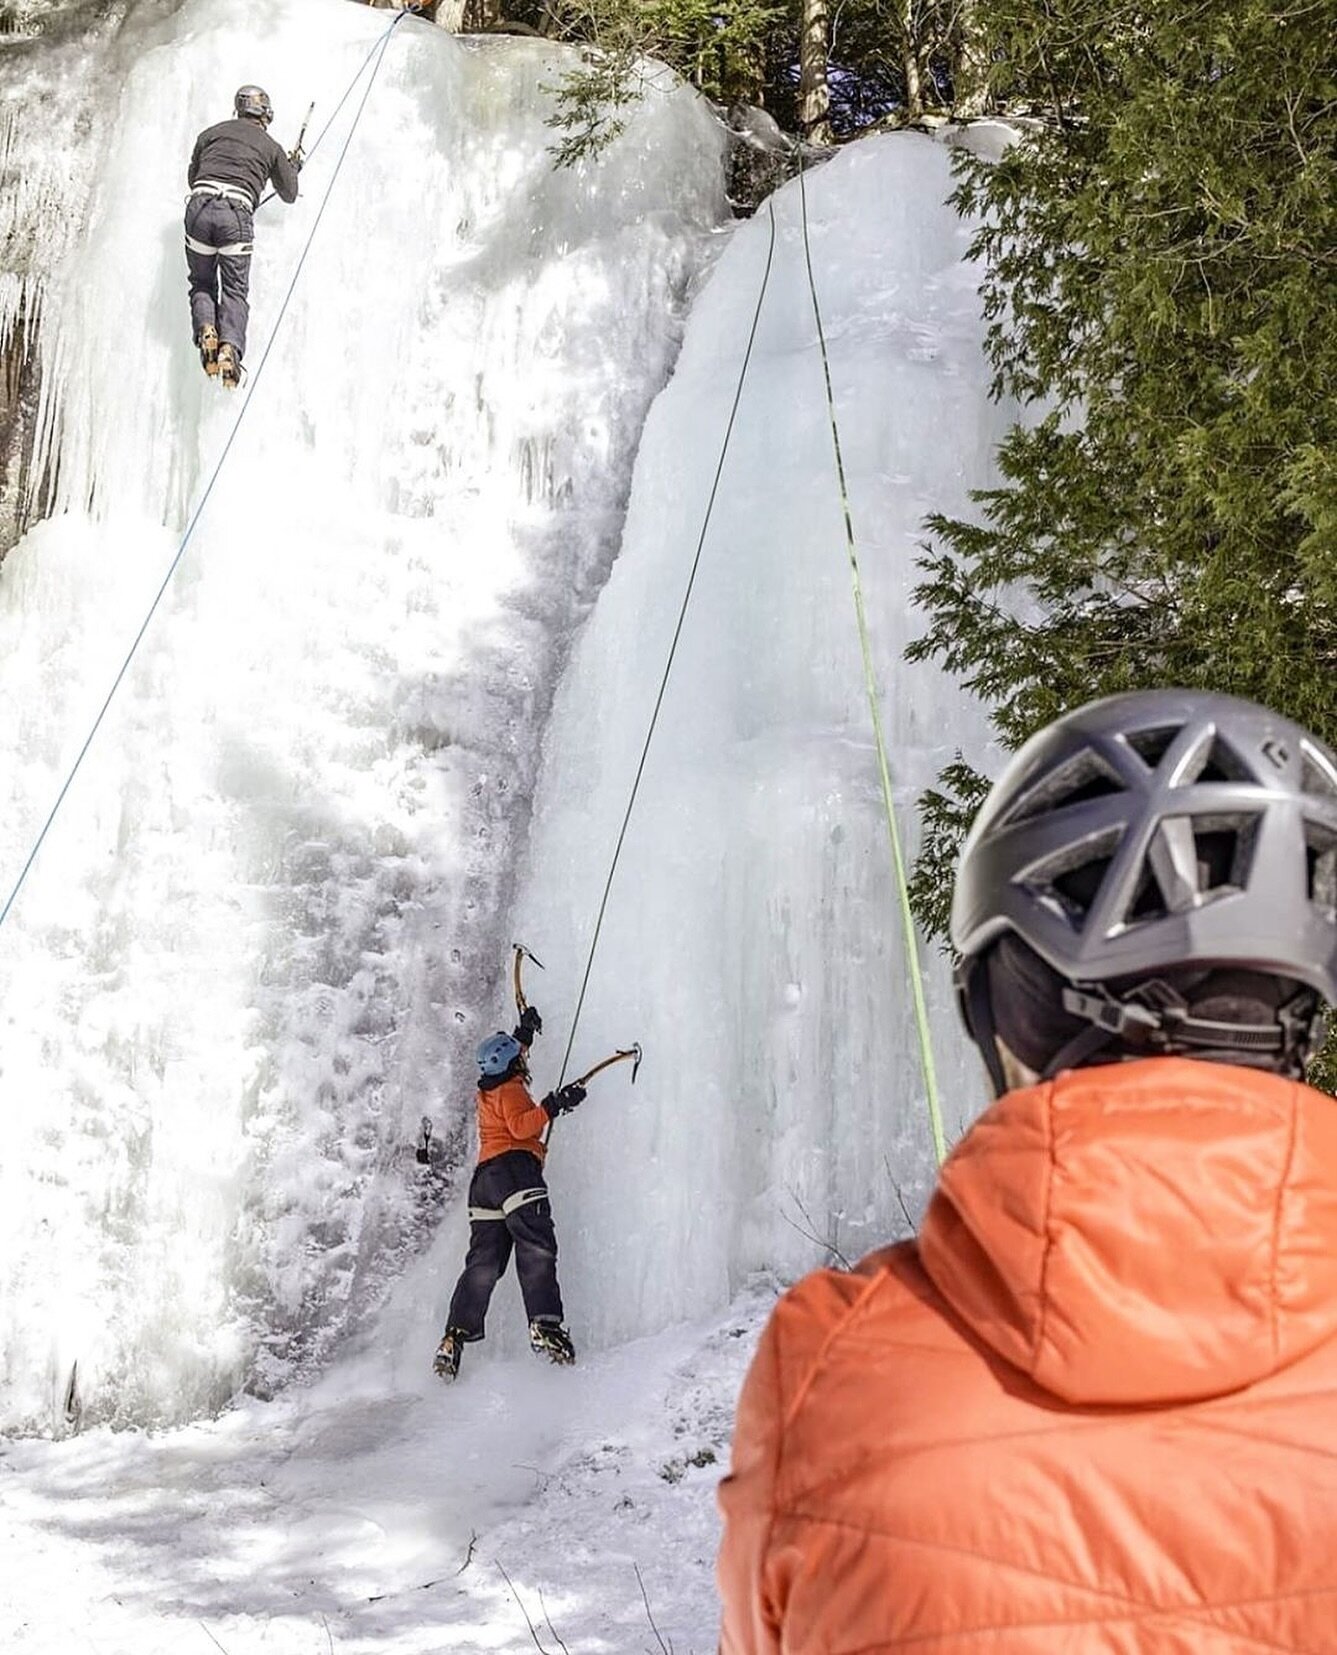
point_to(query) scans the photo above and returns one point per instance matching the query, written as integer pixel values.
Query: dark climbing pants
(508, 1211)
(218, 256)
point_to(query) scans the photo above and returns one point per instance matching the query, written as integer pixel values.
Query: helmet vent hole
(1068, 883)
(1147, 903)
(1317, 775)
(1151, 746)
(1222, 764)
(1083, 777)
(1192, 861)
(1078, 889)
(1225, 854)
(1321, 865)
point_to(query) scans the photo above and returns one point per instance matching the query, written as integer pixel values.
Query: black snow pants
(508, 1209)
(219, 230)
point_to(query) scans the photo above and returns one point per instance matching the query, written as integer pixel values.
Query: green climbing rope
(870, 681)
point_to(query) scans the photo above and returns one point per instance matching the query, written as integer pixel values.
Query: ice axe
(521, 955)
(295, 154)
(632, 1053)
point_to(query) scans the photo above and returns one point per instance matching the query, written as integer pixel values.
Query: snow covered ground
(378, 1512)
(272, 920)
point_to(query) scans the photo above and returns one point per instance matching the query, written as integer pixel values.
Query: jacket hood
(1145, 1233)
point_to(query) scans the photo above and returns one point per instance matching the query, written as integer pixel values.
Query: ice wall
(752, 941)
(257, 943)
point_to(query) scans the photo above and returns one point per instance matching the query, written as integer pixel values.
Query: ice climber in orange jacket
(508, 1202)
(1093, 1407)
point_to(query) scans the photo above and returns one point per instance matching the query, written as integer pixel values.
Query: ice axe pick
(521, 954)
(631, 1054)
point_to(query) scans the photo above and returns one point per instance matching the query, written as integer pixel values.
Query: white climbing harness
(233, 250)
(521, 1198)
(228, 192)
(214, 187)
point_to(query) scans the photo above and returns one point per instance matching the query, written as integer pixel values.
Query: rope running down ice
(348, 92)
(209, 487)
(677, 633)
(870, 681)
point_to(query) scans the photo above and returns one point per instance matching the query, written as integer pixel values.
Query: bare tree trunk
(970, 68)
(911, 64)
(814, 95)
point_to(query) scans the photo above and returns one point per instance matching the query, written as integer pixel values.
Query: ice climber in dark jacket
(229, 168)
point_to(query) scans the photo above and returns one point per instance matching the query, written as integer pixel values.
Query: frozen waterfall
(752, 942)
(272, 919)
(752, 939)
(258, 941)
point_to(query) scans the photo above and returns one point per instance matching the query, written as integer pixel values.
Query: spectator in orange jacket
(508, 1202)
(1093, 1407)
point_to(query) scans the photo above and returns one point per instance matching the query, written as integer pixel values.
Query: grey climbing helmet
(253, 101)
(1147, 833)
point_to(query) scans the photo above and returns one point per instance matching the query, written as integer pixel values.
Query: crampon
(551, 1339)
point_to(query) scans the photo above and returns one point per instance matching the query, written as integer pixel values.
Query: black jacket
(241, 152)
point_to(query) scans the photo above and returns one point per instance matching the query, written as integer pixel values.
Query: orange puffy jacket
(508, 1118)
(1093, 1409)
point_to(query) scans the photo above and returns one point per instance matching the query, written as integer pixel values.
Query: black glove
(296, 157)
(563, 1099)
(529, 1025)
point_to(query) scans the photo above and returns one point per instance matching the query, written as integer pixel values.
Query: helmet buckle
(1118, 1017)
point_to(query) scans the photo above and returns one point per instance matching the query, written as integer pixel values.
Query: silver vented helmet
(254, 101)
(1156, 830)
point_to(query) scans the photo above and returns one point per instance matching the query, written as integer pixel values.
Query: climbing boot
(446, 1362)
(551, 1339)
(208, 343)
(229, 365)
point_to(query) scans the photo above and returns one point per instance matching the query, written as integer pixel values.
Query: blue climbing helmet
(497, 1053)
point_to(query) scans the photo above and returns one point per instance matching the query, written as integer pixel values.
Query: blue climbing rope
(348, 92)
(380, 48)
(673, 645)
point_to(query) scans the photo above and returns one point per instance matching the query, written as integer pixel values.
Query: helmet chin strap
(1152, 1020)
(972, 997)
(1155, 1021)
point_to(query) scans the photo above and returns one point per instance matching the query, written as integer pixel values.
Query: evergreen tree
(822, 69)
(721, 49)
(1161, 286)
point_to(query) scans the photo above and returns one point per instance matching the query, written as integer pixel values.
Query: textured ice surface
(751, 944)
(256, 944)
(752, 940)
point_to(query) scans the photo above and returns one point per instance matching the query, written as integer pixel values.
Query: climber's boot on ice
(551, 1339)
(229, 365)
(446, 1362)
(208, 343)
